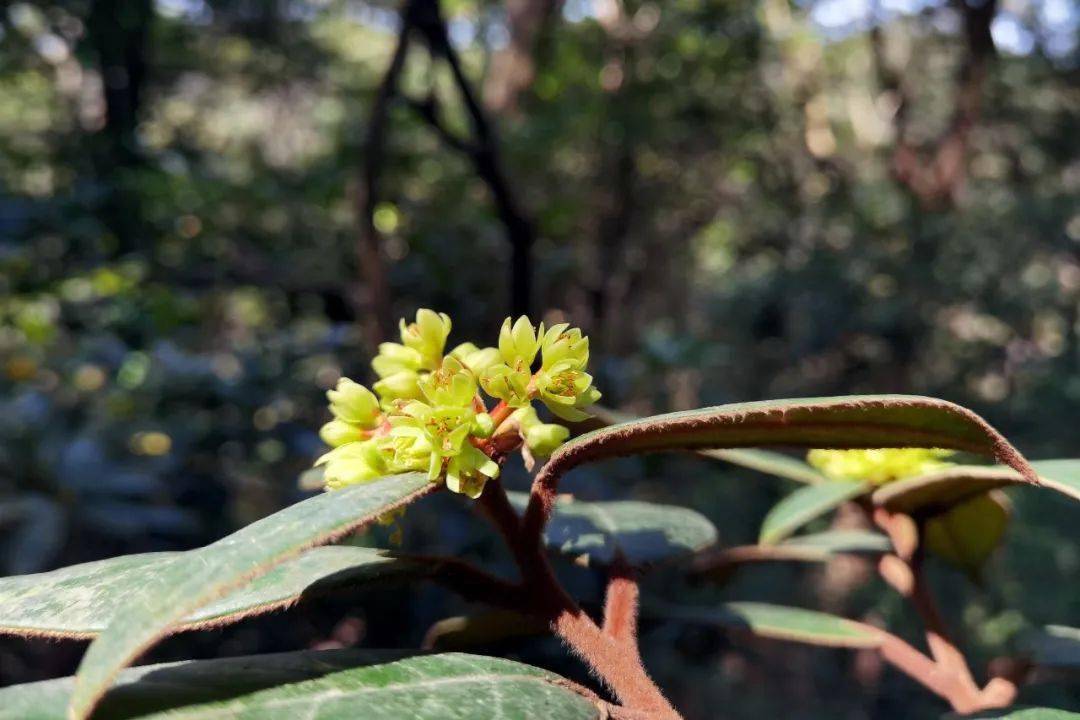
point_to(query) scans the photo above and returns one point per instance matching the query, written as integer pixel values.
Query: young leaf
(717, 566)
(196, 578)
(643, 533)
(858, 421)
(806, 504)
(942, 489)
(329, 685)
(778, 622)
(80, 601)
(966, 534)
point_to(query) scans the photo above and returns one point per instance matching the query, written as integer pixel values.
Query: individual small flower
(566, 390)
(427, 336)
(563, 343)
(540, 438)
(353, 403)
(338, 432)
(878, 466)
(519, 343)
(469, 470)
(353, 463)
(452, 384)
(478, 360)
(443, 433)
(394, 358)
(507, 384)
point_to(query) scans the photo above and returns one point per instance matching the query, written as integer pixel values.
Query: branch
(936, 177)
(428, 111)
(947, 674)
(618, 664)
(486, 159)
(367, 196)
(621, 605)
(513, 68)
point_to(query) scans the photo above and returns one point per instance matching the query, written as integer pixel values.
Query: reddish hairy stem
(617, 663)
(947, 674)
(621, 605)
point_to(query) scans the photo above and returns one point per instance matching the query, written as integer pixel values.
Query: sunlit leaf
(80, 601)
(779, 622)
(815, 547)
(806, 504)
(643, 533)
(328, 685)
(199, 577)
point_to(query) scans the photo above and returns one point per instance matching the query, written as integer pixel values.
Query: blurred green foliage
(711, 186)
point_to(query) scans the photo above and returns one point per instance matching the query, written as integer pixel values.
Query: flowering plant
(437, 420)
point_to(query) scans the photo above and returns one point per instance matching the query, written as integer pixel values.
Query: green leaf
(966, 534)
(329, 685)
(806, 504)
(940, 490)
(1017, 713)
(764, 461)
(859, 421)
(80, 601)
(196, 578)
(644, 533)
(718, 565)
(1054, 646)
(768, 462)
(778, 622)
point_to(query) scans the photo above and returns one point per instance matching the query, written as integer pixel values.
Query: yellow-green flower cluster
(878, 466)
(427, 412)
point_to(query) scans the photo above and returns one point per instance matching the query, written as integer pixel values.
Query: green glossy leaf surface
(199, 577)
(644, 533)
(806, 504)
(779, 622)
(80, 601)
(718, 565)
(322, 685)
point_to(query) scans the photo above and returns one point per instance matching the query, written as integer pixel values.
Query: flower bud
(545, 438)
(478, 360)
(394, 358)
(353, 403)
(338, 432)
(351, 464)
(519, 343)
(427, 335)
